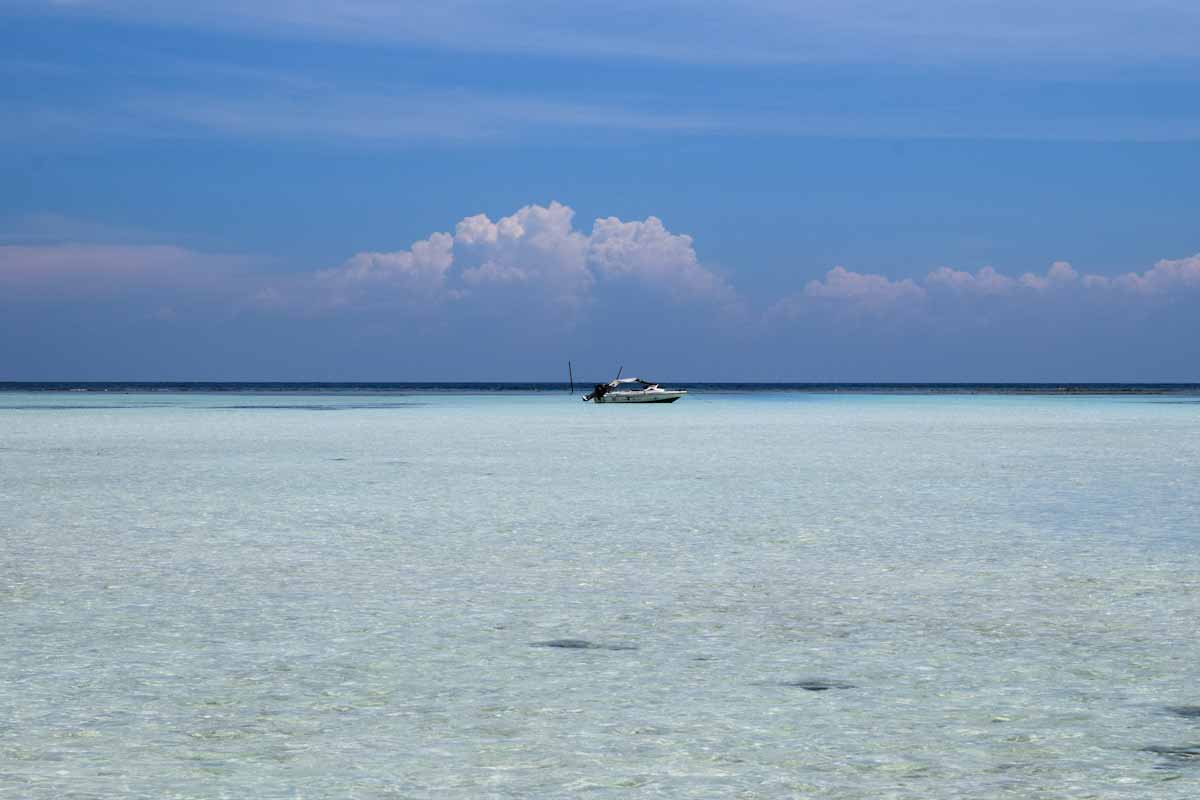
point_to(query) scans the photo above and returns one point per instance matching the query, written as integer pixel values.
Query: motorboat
(645, 392)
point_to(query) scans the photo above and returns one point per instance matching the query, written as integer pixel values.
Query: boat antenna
(622, 369)
(571, 376)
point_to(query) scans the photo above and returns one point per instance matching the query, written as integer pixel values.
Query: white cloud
(421, 269)
(985, 281)
(1162, 278)
(537, 248)
(646, 251)
(872, 291)
(536, 264)
(1060, 274)
(535, 255)
(856, 293)
(945, 288)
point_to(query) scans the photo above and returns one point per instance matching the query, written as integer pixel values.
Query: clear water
(307, 595)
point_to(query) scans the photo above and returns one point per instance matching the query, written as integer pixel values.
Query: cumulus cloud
(537, 248)
(538, 263)
(423, 266)
(985, 281)
(874, 291)
(1162, 278)
(856, 293)
(418, 274)
(943, 289)
(538, 259)
(648, 252)
(1060, 274)
(535, 255)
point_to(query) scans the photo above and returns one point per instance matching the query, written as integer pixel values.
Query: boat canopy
(648, 392)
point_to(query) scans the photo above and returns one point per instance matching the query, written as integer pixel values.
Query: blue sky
(728, 190)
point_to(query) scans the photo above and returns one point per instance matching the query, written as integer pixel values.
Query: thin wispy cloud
(397, 117)
(862, 71)
(47, 228)
(97, 270)
(723, 31)
(331, 116)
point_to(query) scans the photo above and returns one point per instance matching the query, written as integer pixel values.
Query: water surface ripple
(740, 595)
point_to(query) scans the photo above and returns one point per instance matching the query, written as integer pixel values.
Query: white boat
(650, 392)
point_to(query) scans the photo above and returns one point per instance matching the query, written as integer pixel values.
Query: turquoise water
(338, 595)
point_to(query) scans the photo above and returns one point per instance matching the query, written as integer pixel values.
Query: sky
(728, 190)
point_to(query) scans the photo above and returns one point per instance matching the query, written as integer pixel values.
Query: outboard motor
(597, 392)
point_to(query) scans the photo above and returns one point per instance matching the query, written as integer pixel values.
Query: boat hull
(640, 397)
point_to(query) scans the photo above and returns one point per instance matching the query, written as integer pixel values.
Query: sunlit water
(216, 595)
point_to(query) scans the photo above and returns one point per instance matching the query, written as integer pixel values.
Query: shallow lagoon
(785, 595)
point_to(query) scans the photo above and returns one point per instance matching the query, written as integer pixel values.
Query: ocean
(496, 591)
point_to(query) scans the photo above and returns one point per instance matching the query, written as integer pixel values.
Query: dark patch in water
(1177, 754)
(316, 407)
(811, 684)
(1191, 711)
(293, 407)
(77, 408)
(582, 644)
(339, 459)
